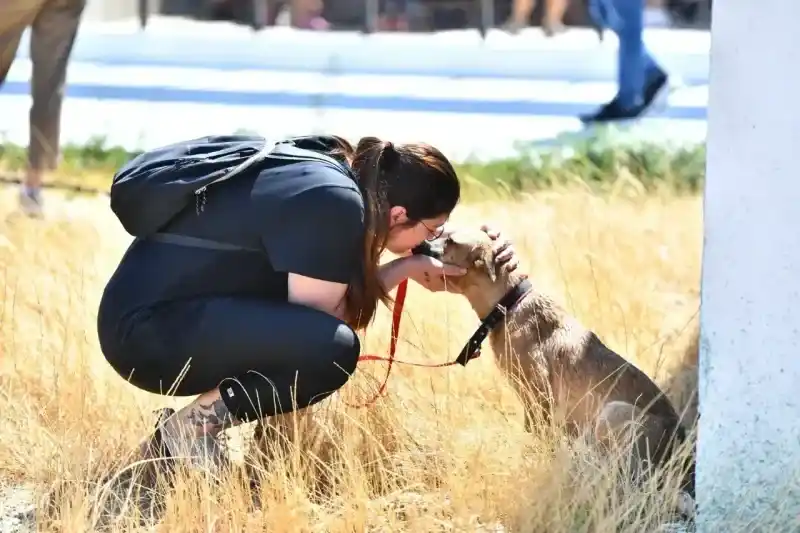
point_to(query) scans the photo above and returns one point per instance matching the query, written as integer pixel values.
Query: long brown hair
(415, 176)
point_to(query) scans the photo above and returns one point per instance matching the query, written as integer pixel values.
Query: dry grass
(444, 451)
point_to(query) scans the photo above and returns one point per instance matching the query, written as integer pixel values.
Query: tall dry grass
(444, 451)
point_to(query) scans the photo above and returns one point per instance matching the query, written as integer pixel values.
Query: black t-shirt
(305, 217)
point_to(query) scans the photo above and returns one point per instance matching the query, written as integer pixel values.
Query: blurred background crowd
(418, 15)
(54, 24)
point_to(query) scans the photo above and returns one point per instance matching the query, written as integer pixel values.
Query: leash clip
(473, 347)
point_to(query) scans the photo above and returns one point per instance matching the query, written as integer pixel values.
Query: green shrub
(595, 163)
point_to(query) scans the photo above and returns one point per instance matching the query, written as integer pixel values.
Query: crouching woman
(253, 307)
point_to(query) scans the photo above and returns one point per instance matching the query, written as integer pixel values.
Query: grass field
(444, 451)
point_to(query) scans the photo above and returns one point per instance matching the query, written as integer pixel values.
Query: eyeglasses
(434, 233)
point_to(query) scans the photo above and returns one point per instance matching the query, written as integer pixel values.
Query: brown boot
(134, 486)
(154, 453)
(160, 453)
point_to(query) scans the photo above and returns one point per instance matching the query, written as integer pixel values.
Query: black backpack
(153, 187)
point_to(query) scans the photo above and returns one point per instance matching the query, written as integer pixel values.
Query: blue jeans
(636, 67)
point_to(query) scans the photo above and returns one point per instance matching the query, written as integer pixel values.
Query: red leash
(397, 314)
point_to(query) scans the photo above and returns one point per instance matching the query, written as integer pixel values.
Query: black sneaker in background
(612, 112)
(653, 88)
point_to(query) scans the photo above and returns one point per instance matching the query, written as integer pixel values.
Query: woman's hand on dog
(504, 253)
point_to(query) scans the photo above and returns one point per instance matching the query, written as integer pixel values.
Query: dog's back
(582, 373)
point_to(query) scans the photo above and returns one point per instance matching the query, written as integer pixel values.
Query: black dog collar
(491, 321)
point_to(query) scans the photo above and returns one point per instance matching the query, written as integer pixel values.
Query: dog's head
(472, 250)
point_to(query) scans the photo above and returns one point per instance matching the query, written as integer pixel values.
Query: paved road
(157, 91)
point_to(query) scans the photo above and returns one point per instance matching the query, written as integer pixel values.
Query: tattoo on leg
(210, 418)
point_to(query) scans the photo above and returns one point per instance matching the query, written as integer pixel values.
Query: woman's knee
(255, 394)
(346, 348)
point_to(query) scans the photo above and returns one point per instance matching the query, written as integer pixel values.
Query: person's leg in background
(520, 15)
(52, 37)
(639, 77)
(15, 16)
(394, 16)
(307, 14)
(553, 20)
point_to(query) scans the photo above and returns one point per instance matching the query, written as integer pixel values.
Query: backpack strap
(259, 156)
(197, 242)
(288, 151)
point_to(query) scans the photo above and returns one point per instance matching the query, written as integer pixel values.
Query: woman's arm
(325, 296)
(395, 271)
(316, 237)
(425, 270)
(328, 296)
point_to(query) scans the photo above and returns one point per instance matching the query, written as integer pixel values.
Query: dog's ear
(484, 259)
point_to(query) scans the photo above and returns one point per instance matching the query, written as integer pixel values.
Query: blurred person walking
(54, 25)
(639, 78)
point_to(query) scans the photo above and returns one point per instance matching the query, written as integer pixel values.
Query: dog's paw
(686, 506)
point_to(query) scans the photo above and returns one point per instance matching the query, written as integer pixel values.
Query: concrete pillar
(748, 470)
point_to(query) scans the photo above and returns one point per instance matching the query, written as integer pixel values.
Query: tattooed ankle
(210, 418)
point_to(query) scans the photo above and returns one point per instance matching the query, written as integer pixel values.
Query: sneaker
(653, 88)
(513, 26)
(31, 202)
(154, 454)
(203, 453)
(612, 112)
(161, 452)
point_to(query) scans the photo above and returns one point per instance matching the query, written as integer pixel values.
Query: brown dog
(569, 372)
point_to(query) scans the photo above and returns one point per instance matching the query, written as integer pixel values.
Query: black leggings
(266, 357)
